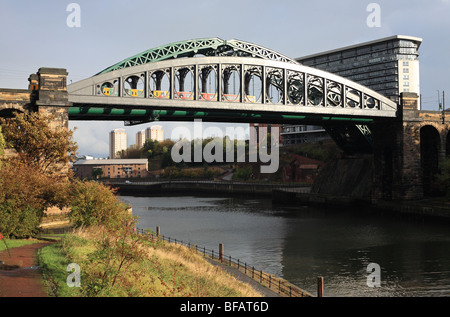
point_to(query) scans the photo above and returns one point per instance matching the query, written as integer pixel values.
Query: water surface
(300, 243)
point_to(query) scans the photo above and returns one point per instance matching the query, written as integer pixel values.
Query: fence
(55, 216)
(55, 223)
(280, 286)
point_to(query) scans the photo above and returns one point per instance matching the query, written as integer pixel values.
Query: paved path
(19, 274)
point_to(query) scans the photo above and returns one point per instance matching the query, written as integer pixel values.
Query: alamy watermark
(74, 278)
(74, 18)
(374, 278)
(213, 151)
(374, 18)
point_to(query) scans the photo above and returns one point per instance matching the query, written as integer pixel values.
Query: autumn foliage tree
(35, 177)
(24, 194)
(38, 144)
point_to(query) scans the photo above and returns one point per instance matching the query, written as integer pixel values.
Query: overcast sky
(35, 34)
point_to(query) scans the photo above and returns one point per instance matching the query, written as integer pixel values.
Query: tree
(131, 153)
(2, 141)
(35, 177)
(38, 144)
(25, 193)
(97, 172)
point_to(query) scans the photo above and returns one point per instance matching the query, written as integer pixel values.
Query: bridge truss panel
(231, 83)
(207, 47)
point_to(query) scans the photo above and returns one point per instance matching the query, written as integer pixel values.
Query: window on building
(405, 77)
(406, 70)
(406, 84)
(405, 63)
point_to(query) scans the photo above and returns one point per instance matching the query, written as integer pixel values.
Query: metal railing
(274, 283)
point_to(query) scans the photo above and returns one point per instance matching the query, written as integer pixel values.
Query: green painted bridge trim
(183, 114)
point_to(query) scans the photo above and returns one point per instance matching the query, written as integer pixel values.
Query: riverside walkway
(20, 275)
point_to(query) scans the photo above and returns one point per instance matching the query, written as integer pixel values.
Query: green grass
(14, 243)
(52, 236)
(53, 263)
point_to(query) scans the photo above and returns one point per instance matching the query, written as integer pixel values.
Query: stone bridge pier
(46, 93)
(408, 152)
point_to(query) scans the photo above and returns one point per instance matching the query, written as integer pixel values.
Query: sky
(35, 34)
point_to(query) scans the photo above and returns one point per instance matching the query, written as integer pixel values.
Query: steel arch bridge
(227, 81)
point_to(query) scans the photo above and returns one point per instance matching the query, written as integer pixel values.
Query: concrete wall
(199, 187)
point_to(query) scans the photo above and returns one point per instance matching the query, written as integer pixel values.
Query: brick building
(116, 168)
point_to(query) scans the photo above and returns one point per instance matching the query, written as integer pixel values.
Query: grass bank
(15, 243)
(134, 265)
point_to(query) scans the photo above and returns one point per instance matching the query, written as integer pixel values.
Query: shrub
(242, 173)
(19, 223)
(93, 203)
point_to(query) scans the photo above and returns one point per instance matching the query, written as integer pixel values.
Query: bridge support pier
(408, 152)
(52, 96)
(46, 93)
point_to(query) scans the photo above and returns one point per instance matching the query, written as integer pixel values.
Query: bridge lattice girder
(207, 47)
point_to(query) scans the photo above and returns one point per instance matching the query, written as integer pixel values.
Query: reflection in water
(301, 243)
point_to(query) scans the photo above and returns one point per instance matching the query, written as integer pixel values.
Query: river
(301, 243)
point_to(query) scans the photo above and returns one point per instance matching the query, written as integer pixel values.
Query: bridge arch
(8, 110)
(430, 148)
(232, 76)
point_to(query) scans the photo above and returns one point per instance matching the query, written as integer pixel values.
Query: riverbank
(431, 208)
(436, 208)
(204, 187)
(138, 266)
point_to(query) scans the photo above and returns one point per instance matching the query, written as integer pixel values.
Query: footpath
(20, 275)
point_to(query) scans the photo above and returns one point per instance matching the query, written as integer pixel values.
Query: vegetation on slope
(127, 264)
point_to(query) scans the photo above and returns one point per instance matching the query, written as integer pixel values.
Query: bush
(242, 173)
(93, 203)
(19, 223)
